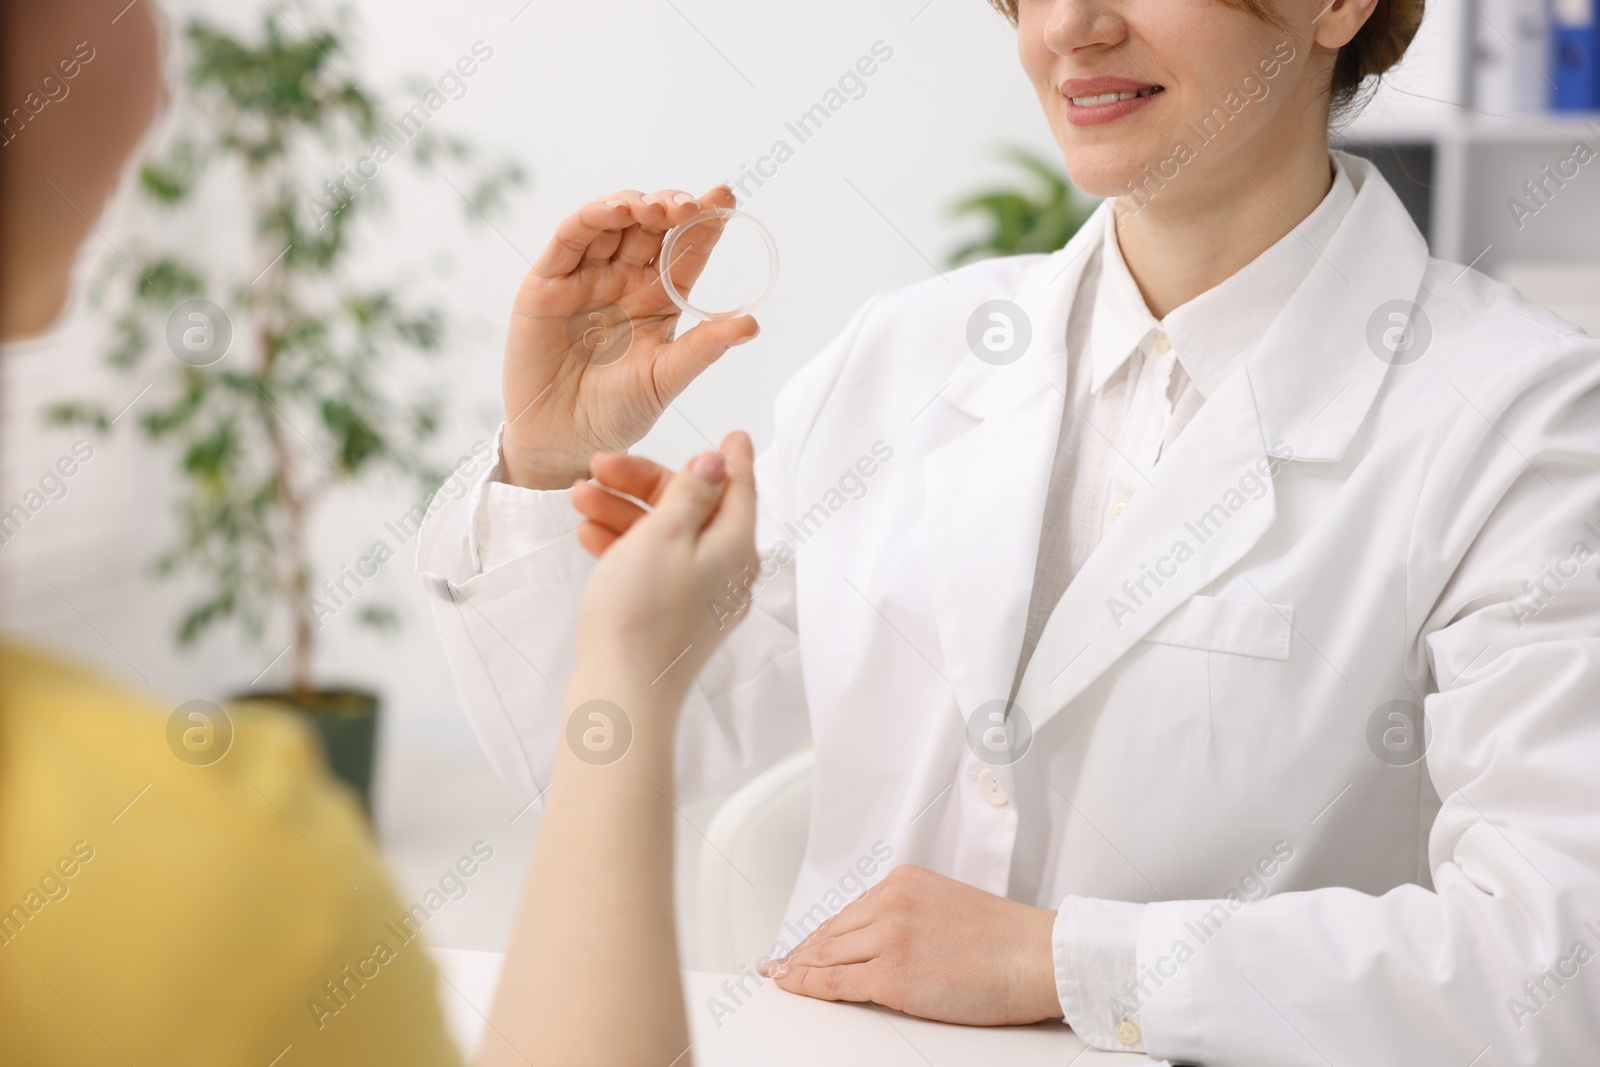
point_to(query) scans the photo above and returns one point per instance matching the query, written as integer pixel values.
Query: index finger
(641, 478)
(693, 250)
(575, 233)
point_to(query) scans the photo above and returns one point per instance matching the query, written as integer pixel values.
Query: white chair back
(748, 864)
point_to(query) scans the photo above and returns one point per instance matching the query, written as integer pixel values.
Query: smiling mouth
(1102, 99)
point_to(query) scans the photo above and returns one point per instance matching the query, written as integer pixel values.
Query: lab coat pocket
(1220, 624)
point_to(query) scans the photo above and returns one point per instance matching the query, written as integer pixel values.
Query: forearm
(592, 972)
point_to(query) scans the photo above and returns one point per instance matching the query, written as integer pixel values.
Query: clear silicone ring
(670, 244)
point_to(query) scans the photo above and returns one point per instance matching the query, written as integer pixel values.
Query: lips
(1106, 98)
(1099, 99)
(1103, 90)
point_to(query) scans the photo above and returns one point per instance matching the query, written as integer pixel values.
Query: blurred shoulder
(210, 901)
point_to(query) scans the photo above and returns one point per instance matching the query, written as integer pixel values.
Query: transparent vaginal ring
(669, 249)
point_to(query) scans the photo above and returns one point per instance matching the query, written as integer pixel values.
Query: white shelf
(1480, 166)
(1546, 126)
(1551, 127)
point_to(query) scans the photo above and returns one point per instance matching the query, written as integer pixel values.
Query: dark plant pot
(346, 721)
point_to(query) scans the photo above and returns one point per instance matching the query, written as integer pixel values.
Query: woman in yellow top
(154, 912)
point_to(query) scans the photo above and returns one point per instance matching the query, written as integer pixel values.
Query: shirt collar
(1214, 333)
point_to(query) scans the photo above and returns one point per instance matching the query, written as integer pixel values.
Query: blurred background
(384, 299)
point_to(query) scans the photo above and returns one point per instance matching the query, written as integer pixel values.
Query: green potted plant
(278, 396)
(1024, 220)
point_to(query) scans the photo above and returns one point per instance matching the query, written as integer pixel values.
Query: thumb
(735, 521)
(692, 496)
(681, 362)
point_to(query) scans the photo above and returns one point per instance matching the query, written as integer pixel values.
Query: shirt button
(1162, 343)
(1116, 509)
(1127, 1032)
(992, 790)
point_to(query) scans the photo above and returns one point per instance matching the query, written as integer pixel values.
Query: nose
(1076, 24)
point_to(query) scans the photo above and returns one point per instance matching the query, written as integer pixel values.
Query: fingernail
(615, 203)
(708, 467)
(683, 198)
(746, 340)
(779, 969)
(650, 198)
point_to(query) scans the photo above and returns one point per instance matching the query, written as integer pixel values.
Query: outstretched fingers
(621, 225)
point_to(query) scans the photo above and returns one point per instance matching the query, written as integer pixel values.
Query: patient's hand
(933, 947)
(591, 361)
(607, 992)
(648, 609)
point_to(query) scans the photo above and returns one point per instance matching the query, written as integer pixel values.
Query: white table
(778, 1029)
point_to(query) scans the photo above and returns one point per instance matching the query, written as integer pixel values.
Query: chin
(1105, 170)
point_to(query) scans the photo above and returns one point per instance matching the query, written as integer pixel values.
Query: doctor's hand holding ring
(591, 357)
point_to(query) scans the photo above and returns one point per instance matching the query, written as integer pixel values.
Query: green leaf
(210, 458)
(167, 281)
(200, 618)
(356, 439)
(379, 617)
(162, 421)
(172, 179)
(75, 413)
(1024, 220)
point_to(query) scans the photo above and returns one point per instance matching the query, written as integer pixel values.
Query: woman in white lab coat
(1197, 627)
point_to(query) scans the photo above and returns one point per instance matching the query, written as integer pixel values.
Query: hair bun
(1375, 49)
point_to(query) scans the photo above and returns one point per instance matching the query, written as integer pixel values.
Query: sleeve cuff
(1095, 945)
(509, 521)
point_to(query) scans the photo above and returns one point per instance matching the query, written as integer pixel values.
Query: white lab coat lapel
(1302, 396)
(985, 490)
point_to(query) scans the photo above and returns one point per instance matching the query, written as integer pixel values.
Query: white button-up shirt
(1144, 379)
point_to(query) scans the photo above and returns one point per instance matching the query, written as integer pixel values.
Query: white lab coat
(1429, 533)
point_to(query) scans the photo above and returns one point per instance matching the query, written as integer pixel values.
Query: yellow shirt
(158, 913)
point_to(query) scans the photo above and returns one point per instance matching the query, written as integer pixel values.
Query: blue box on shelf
(1575, 55)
